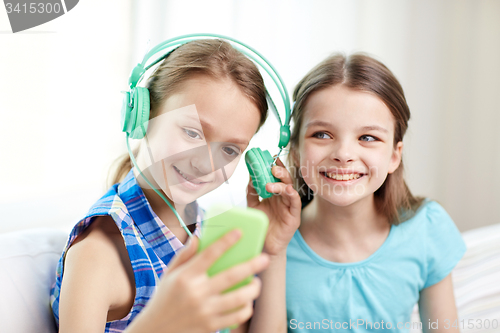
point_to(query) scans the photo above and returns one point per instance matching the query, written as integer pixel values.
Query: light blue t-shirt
(379, 292)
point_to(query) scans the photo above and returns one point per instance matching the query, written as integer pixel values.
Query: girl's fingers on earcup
(228, 278)
(205, 259)
(278, 162)
(295, 202)
(186, 253)
(237, 298)
(282, 174)
(276, 188)
(289, 196)
(282, 198)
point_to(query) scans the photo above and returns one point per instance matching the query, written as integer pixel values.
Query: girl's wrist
(277, 257)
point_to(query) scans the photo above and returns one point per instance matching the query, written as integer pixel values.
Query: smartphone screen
(220, 220)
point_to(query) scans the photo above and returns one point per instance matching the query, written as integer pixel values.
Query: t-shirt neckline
(324, 262)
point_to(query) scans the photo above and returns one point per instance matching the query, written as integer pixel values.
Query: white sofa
(476, 281)
(28, 260)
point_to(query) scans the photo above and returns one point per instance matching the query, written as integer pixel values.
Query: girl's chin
(340, 200)
(180, 197)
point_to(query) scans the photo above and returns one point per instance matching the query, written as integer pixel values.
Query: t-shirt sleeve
(444, 244)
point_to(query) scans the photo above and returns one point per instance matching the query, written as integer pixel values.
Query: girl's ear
(396, 157)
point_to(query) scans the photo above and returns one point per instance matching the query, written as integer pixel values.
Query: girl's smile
(189, 181)
(342, 176)
(347, 146)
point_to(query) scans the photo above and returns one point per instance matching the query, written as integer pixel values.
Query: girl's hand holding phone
(283, 209)
(188, 300)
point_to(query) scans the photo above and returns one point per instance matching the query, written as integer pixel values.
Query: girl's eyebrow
(318, 123)
(375, 128)
(364, 128)
(207, 127)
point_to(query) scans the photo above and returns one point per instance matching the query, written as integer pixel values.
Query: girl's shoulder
(112, 204)
(430, 231)
(99, 228)
(98, 272)
(101, 242)
(432, 235)
(95, 251)
(428, 216)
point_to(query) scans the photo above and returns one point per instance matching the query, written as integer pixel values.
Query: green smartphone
(221, 219)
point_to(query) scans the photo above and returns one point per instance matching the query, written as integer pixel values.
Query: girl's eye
(321, 135)
(230, 151)
(191, 134)
(369, 138)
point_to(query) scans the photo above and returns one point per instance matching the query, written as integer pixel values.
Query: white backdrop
(60, 84)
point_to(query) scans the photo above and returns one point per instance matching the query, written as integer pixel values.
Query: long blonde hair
(214, 58)
(359, 72)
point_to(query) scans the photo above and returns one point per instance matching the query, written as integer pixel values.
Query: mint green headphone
(136, 107)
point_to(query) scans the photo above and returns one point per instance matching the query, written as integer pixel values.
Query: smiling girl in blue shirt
(367, 250)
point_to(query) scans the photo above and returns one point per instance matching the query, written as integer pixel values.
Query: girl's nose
(342, 153)
(202, 161)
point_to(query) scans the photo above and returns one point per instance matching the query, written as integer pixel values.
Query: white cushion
(476, 282)
(28, 261)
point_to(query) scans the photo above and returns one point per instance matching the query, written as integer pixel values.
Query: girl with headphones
(123, 269)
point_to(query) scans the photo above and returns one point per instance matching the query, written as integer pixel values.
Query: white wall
(60, 101)
(60, 104)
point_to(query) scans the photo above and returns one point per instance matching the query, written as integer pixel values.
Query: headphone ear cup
(259, 166)
(126, 112)
(140, 113)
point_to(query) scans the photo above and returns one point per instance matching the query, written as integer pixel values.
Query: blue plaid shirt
(150, 244)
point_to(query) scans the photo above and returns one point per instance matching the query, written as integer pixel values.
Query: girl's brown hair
(214, 58)
(359, 72)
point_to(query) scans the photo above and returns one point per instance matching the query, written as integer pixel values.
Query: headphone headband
(140, 69)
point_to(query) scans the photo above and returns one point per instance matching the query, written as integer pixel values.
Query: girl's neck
(161, 209)
(342, 226)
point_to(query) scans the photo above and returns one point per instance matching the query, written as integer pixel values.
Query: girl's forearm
(270, 308)
(144, 324)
